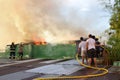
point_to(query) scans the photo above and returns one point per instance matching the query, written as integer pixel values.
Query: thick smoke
(51, 20)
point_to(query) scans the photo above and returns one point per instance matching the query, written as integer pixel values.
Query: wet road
(9, 71)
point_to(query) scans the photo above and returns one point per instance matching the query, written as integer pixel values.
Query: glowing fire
(38, 41)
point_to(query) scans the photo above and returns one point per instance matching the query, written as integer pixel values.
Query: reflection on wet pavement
(65, 68)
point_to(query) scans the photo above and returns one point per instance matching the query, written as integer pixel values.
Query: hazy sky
(50, 20)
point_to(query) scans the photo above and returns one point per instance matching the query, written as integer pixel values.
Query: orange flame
(38, 41)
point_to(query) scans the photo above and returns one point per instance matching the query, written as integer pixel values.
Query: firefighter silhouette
(12, 51)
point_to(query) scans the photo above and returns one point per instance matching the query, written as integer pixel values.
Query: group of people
(89, 49)
(13, 51)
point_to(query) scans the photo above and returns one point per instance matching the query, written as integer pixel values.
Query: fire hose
(105, 71)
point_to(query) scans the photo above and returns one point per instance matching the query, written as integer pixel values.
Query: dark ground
(85, 71)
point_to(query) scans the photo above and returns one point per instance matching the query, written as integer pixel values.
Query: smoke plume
(51, 20)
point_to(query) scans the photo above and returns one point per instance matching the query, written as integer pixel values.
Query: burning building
(47, 50)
